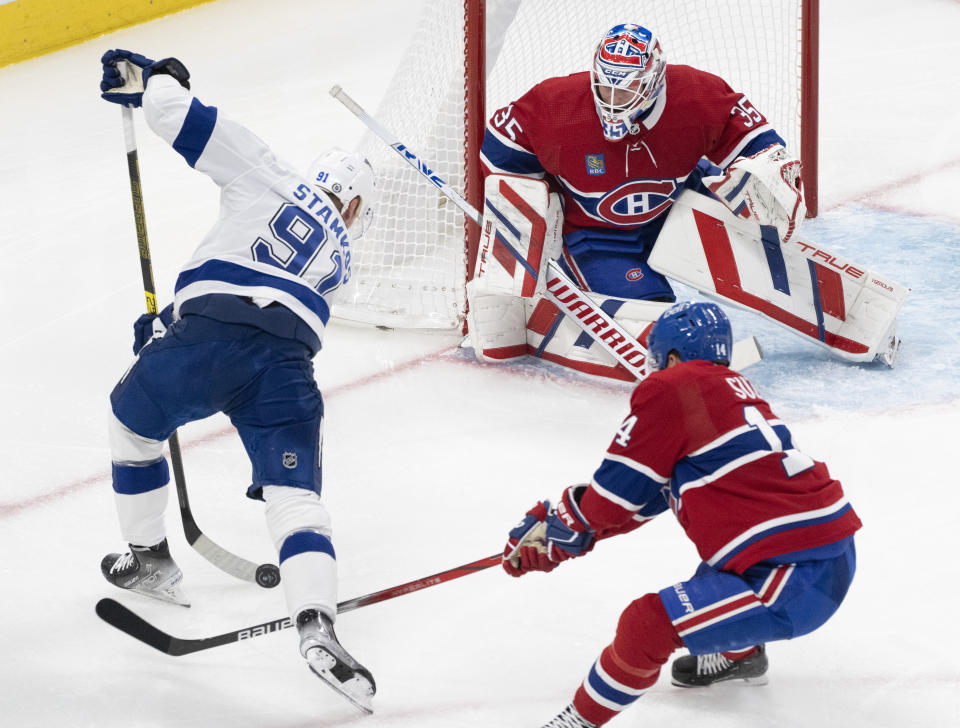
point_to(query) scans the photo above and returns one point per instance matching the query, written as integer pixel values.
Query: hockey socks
(630, 664)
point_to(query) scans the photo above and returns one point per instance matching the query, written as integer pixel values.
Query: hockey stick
(266, 575)
(119, 616)
(560, 290)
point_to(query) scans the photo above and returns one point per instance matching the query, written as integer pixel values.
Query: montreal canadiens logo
(634, 274)
(625, 48)
(635, 203)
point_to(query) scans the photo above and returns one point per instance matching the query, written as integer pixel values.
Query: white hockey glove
(765, 187)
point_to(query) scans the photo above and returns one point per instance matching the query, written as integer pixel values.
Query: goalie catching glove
(546, 536)
(765, 187)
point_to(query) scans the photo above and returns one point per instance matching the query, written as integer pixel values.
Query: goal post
(470, 57)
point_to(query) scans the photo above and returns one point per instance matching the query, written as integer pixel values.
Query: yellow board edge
(31, 28)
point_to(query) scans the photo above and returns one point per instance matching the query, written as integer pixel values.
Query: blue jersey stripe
(508, 158)
(220, 270)
(631, 486)
(761, 142)
(695, 467)
(195, 132)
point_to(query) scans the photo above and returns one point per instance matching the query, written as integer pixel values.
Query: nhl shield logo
(289, 460)
(595, 165)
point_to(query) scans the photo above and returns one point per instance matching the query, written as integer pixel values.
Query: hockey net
(410, 269)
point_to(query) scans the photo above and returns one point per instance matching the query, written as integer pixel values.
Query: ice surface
(431, 458)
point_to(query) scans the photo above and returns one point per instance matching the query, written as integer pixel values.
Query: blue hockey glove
(568, 533)
(113, 83)
(150, 326)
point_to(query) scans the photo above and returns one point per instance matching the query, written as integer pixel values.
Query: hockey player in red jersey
(619, 143)
(773, 529)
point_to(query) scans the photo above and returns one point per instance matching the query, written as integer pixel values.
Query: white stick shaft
(412, 159)
(129, 137)
(595, 322)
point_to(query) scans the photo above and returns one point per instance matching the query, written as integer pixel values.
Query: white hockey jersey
(277, 239)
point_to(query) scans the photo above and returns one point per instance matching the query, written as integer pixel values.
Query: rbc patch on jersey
(595, 165)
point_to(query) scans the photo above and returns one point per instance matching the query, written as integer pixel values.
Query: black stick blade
(117, 615)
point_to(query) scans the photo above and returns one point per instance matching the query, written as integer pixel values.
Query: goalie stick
(124, 619)
(570, 299)
(266, 575)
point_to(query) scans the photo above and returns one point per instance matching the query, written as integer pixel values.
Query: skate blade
(889, 355)
(172, 595)
(756, 681)
(357, 689)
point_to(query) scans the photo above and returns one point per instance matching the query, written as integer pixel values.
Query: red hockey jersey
(701, 441)
(554, 130)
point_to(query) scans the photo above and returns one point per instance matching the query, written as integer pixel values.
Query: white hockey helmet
(627, 76)
(345, 175)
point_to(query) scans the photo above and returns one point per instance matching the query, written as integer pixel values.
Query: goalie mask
(344, 175)
(627, 77)
(693, 330)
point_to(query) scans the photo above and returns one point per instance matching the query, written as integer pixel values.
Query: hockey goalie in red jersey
(773, 529)
(619, 143)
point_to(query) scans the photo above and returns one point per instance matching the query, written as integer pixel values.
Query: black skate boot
(147, 570)
(570, 718)
(332, 663)
(695, 671)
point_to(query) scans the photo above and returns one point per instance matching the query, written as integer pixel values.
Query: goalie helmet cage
(468, 58)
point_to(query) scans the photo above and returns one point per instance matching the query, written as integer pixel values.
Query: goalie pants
(714, 611)
(613, 261)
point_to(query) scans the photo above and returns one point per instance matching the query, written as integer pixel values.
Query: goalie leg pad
(496, 323)
(520, 233)
(828, 300)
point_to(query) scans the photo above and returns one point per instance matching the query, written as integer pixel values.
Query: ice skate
(570, 718)
(147, 570)
(332, 663)
(694, 671)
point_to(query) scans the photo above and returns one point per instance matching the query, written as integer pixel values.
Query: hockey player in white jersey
(248, 317)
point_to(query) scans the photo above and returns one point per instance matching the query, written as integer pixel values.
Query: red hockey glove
(526, 548)
(547, 536)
